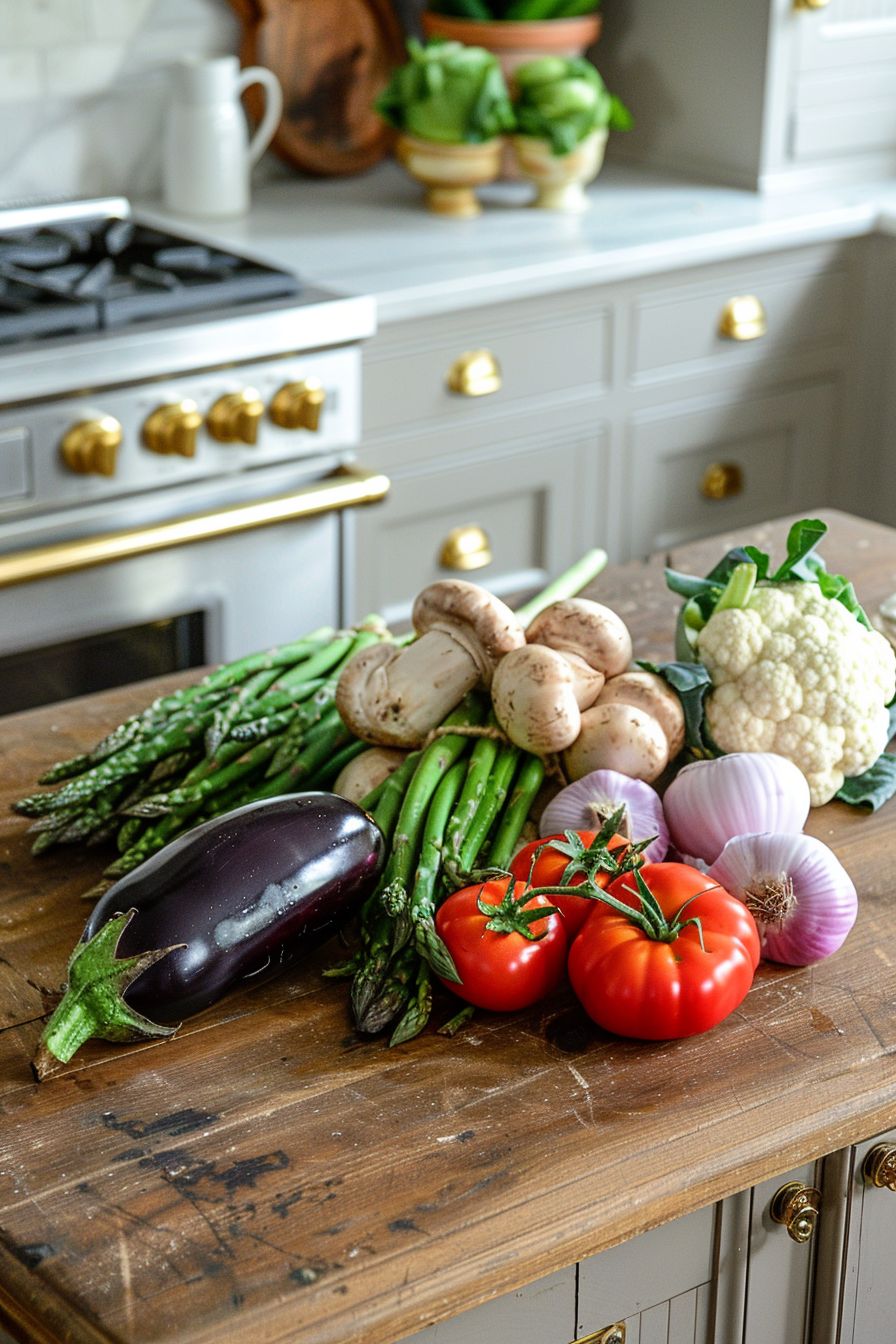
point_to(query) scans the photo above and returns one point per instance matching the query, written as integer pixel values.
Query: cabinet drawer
(543, 1312)
(539, 510)
(542, 348)
(676, 331)
(658, 1284)
(721, 466)
(869, 1292)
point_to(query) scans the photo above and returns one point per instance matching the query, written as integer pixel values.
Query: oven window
(96, 662)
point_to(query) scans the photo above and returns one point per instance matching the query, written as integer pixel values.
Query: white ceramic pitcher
(207, 152)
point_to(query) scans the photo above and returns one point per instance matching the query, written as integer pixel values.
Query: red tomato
(635, 985)
(498, 970)
(548, 870)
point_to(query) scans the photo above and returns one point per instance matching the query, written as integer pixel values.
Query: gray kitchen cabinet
(698, 469)
(522, 510)
(631, 416)
(863, 1297)
(730, 1273)
(775, 94)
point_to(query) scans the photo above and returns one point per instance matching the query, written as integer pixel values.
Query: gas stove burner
(72, 276)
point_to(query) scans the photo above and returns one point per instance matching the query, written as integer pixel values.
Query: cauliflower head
(794, 672)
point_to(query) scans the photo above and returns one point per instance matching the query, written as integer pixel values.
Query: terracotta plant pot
(560, 179)
(450, 173)
(514, 42)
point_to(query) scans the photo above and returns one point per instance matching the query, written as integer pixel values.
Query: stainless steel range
(177, 433)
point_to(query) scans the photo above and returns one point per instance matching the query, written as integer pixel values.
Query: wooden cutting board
(332, 58)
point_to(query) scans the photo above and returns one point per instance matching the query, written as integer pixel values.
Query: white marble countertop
(371, 235)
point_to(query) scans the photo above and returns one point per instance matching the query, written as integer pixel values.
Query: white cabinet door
(844, 92)
(780, 1273)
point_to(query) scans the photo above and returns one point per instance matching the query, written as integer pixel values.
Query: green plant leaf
(802, 539)
(874, 787)
(691, 683)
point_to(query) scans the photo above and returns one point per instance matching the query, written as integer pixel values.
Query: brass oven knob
(796, 1206)
(234, 417)
(722, 480)
(299, 405)
(173, 428)
(476, 373)
(743, 319)
(879, 1167)
(90, 448)
(466, 548)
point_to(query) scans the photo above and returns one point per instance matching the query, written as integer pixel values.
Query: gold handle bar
(346, 488)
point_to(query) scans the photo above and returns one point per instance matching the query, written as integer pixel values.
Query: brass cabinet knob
(796, 1206)
(466, 548)
(234, 418)
(721, 480)
(476, 373)
(743, 319)
(299, 405)
(879, 1167)
(90, 448)
(173, 428)
(608, 1334)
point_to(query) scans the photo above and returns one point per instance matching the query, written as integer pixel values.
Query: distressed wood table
(270, 1175)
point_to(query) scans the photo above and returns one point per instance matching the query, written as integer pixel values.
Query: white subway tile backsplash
(83, 88)
(83, 70)
(21, 76)
(42, 23)
(117, 20)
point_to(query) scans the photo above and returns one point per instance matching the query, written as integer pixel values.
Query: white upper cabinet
(774, 94)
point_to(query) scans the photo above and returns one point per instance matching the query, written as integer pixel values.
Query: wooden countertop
(269, 1175)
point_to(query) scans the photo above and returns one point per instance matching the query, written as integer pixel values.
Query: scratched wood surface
(270, 1175)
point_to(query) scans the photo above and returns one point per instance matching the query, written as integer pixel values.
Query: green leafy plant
(447, 92)
(564, 100)
(514, 10)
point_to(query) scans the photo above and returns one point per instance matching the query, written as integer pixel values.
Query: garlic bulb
(588, 802)
(802, 898)
(710, 802)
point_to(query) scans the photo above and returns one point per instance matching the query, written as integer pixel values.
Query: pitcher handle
(273, 107)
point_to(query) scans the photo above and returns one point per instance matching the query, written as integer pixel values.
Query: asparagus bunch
(263, 725)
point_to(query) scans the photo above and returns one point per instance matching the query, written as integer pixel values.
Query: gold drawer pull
(743, 319)
(879, 1167)
(811, 4)
(610, 1334)
(721, 480)
(476, 373)
(796, 1206)
(466, 548)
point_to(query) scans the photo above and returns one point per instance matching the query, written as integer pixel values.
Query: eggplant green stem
(93, 1003)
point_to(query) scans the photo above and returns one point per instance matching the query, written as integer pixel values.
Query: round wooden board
(332, 58)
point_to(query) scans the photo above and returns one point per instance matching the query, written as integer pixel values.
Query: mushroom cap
(483, 624)
(364, 772)
(534, 698)
(589, 630)
(355, 697)
(618, 737)
(655, 696)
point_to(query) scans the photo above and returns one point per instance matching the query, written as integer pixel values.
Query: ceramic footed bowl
(560, 179)
(449, 174)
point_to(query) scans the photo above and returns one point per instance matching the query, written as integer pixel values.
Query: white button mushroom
(534, 699)
(396, 696)
(618, 737)
(656, 697)
(590, 636)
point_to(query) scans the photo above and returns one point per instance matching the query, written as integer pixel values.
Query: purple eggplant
(240, 896)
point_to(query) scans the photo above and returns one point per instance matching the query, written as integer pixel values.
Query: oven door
(82, 615)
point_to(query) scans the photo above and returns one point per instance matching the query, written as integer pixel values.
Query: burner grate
(84, 275)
